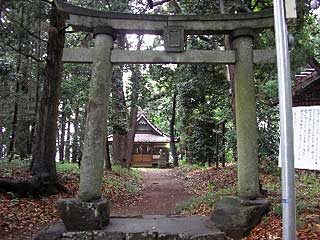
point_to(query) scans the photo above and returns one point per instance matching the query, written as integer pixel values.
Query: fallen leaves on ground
(202, 180)
(21, 218)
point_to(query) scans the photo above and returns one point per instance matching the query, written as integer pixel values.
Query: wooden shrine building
(151, 145)
(307, 88)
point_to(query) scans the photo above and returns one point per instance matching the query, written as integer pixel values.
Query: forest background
(43, 112)
(43, 102)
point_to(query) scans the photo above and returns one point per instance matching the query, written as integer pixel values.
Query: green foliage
(186, 167)
(68, 168)
(183, 162)
(268, 166)
(129, 172)
(130, 181)
(15, 163)
(204, 101)
(307, 192)
(115, 185)
(203, 91)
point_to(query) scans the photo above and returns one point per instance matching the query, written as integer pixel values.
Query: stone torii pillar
(246, 118)
(94, 151)
(89, 211)
(236, 216)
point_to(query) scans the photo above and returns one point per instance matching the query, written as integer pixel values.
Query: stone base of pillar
(83, 216)
(236, 217)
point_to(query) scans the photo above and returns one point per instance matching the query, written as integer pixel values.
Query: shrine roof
(150, 133)
(146, 138)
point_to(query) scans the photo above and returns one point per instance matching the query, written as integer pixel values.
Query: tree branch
(24, 54)
(176, 6)
(26, 30)
(152, 4)
(47, 1)
(255, 5)
(314, 64)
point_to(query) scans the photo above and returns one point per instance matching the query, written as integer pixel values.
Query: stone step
(157, 227)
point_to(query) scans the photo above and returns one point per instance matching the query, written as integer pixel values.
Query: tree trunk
(37, 85)
(172, 135)
(119, 117)
(11, 148)
(230, 76)
(2, 149)
(75, 139)
(63, 132)
(217, 149)
(135, 91)
(2, 7)
(44, 148)
(131, 134)
(83, 119)
(67, 149)
(12, 143)
(223, 154)
(24, 115)
(107, 163)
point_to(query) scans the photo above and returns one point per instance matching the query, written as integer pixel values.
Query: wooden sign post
(290, 9)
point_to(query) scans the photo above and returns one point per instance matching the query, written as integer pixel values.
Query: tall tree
(124, 120)
(44, 149)
(172, 129)
(119, 114)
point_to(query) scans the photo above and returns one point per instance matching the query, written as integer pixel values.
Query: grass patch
(122, 182)
(68, 168)
(114, 185)
(202, 204)
(128, 172)
(307, 192)
(15, 164)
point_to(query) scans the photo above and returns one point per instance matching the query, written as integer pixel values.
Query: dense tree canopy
(203, 93)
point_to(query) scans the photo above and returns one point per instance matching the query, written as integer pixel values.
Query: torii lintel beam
(84, 19)
(118, 56)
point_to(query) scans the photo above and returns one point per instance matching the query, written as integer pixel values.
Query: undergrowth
(200, 205)
(116, 183)
(68, 168)
(210, 184)
(122, 182)
(307, 192)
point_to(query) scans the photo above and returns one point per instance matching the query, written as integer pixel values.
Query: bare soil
(161, 192)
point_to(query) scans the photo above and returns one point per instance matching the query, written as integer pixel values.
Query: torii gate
(105, 26)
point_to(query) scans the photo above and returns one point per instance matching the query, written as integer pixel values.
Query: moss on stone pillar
(91, 172)
(246, 119)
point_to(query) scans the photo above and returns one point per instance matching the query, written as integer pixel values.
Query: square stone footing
(141, 228)
(81, 216)
(237, 217)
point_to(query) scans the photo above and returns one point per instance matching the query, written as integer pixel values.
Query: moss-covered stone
(237, 217)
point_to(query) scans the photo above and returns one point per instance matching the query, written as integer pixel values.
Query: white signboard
(306, 130)
(290, 6)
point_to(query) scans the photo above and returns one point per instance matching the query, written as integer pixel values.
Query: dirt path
(162, 191)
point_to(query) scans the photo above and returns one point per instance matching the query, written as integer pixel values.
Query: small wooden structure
(151, 145)
(307, 89)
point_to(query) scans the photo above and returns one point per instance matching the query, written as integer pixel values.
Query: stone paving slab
(192, 225)
(156, 227)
